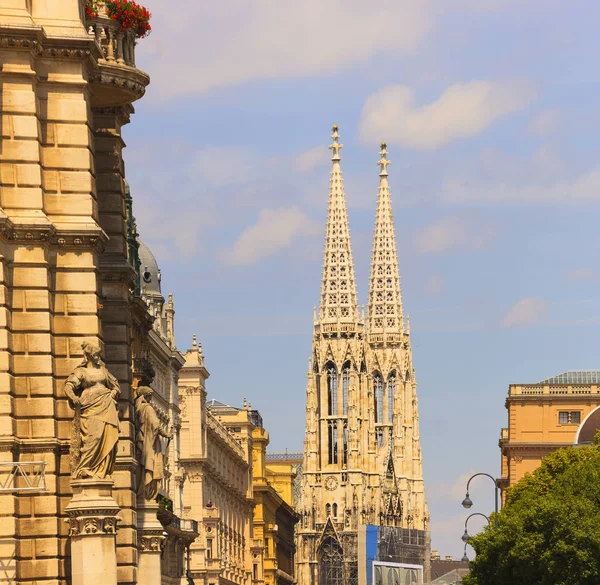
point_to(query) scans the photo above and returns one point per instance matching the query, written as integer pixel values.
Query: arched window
(330, 442)
(378, 397)
(345, 460)
(346, 385)
(331, 389)
(391, 393)
(331, 563)
(328, 510)
(335, 511)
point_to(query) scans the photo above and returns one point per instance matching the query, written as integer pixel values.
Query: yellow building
(274, 516)
(546, 416)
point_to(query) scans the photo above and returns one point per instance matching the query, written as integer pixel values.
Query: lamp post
(467, 503)
(466, 537)
(465, 558)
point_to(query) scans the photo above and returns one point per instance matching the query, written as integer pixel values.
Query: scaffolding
(22, 476)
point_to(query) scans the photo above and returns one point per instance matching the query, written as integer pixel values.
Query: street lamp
(466, 536)
(467, 502)
(465, 558)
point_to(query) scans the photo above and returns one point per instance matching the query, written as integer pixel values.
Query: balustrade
(117, 45)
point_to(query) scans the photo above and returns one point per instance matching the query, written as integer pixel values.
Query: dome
(149, 270)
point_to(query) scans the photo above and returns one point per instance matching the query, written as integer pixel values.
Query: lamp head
(465, 537)
(465, 558)
(467, 503)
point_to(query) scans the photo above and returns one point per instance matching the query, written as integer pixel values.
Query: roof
(214, 403)
(444, 567)
(150, 272)
(575, 377)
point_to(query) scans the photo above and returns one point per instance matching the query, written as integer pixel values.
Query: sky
(491, 116)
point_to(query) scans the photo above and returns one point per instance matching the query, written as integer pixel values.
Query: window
(331, 389)
(378, 397)
(330, 443)
(345, 460)
(209, 548)
(331, 563)
(255, 572)
(267, 546)
(566, 417)
(335, 443)
(346, 385)
(335, 511)
(391, 391)
(328, 510)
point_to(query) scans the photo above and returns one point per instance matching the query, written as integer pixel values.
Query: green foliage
(549, 528)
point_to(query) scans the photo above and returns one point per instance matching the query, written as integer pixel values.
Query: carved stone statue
(151, 455)
(93, 392)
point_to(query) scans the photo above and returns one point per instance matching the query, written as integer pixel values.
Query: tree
(549, 527)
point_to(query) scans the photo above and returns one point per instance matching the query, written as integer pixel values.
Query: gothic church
(362, 455)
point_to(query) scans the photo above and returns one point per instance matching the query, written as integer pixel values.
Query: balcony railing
(117, 45)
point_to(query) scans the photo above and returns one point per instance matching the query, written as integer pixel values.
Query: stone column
(92, 519)
(151, 539)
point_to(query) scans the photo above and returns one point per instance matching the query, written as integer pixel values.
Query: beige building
(69, 276)
(274, 517)
(362, 454)
(216, 456)
(545, 416)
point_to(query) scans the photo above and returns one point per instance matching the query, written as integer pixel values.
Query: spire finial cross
(336, 146)
(383, 162)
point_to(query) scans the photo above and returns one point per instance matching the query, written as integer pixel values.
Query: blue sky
(490, 111)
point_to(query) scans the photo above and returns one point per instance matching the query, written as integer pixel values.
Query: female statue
(150, 452)
(93, 392)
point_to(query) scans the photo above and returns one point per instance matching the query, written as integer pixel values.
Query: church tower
(362, 459)
(393, 387)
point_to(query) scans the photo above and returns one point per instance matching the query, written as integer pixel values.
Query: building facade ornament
(93, 393)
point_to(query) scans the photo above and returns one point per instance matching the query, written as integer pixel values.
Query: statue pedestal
(92, 517)
(151, 540)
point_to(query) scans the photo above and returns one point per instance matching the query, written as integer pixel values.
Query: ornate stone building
(362, 455)
(274, 516)
(70, 296)
(545, 416)
(216, 456)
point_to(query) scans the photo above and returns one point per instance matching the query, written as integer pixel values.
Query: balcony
(116, 81)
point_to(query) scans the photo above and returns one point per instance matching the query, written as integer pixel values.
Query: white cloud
(434, 286)
(581, 274)
(311, 159)
(450, 232)
(584, 188)
(526, 312)
(545, 123)
(462, 111)
(274, 230)
(230, 42)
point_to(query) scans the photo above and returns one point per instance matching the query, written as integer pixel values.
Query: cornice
(48, 235)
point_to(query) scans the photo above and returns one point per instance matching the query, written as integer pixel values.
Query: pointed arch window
(391, 392)
(331, 563)
(335, 511)
(378, 397)
(345, 386)
(331, 389)
(345, 463)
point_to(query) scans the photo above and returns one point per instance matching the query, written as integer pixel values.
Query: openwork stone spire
(385, 318)
(338, 289)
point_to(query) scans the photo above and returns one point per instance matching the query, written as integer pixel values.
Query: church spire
(338, 288)
(385, 318)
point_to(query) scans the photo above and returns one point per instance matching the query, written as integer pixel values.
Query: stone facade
(68, 276)
(274, 516)
(543, 417)
(362, 455)
(216, 456)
